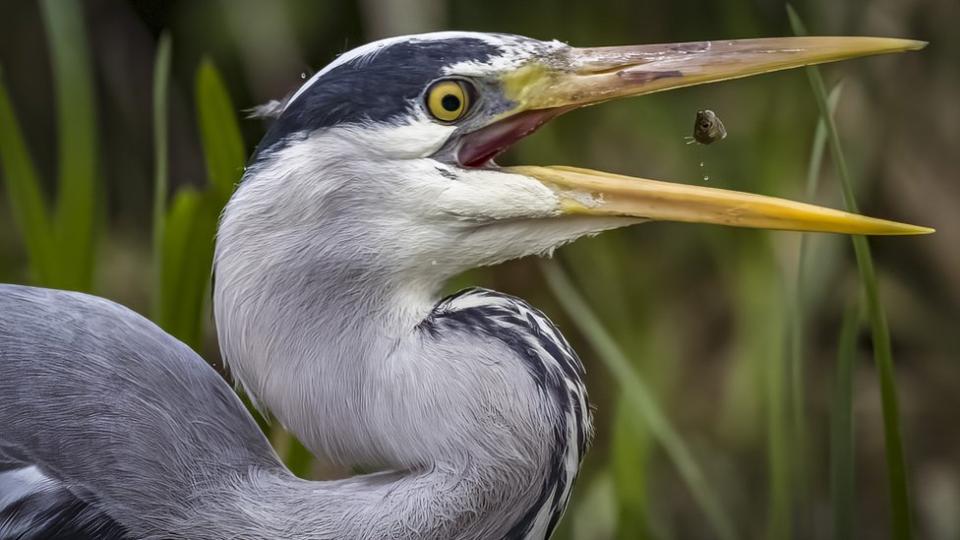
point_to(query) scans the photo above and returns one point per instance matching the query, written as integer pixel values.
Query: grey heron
(374, 184)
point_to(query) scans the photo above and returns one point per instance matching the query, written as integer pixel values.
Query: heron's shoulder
(481, 306)
(52, 337)
(52, 317)
(12, 293)
(54, 306)
(480, 298)
(523, 328)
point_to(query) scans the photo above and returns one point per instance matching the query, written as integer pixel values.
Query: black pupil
(450, 102)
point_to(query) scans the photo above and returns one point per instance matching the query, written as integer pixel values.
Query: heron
(374, 184)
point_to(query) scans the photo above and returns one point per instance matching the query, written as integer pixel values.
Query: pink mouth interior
(478, 148)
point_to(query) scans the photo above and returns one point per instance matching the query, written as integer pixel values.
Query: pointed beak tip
(907, 229)
(903, 44)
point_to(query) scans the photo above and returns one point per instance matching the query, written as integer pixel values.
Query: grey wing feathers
(114, 411)
(35, 507)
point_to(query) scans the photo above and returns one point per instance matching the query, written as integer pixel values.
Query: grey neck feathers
(274, 504)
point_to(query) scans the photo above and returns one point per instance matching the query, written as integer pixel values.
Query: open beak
(580, 77)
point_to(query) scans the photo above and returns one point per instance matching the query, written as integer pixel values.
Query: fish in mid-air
(707, 128)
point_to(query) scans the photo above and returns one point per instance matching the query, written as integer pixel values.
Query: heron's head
(386, 156)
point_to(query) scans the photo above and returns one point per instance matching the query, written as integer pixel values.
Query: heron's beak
(579, 77)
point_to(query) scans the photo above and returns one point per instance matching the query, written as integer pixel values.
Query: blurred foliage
(758, 369)
(61, 242)
(186, 234)
(644, 411)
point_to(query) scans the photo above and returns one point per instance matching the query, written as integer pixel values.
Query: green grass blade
(187, 258)
(594, 517)
(797, 321)
(178, 220)
(760, 325)
(635, 391)
(781, 477)
(819, 146)
(842, 462)
(77, 149)
(219, 131)
(161, 83)
(190, 225)
(298, 459)
(178, 223)
(629, 457)
(883, 355)
(26, 197)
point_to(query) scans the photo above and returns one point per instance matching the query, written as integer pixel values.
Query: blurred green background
(722, 398)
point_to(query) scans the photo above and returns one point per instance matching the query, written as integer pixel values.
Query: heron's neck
(386, 505)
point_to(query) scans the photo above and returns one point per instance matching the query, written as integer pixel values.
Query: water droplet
(706, 178)
(701, 164)
(303, 75)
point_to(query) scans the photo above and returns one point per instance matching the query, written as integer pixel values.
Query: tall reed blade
(191, 221)
(223, 147)
(882, 353)
(797, 315)
(842, 463)
(27, 203)
(630, 449)
(185, 271)
(76, 218)
(594, 516)
(161, 83)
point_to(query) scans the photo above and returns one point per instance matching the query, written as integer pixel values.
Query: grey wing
(107, 423)
(35, 507)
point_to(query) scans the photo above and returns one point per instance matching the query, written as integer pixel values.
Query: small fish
(708, 128)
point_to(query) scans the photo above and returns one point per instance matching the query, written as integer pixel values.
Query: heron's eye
(448, 100)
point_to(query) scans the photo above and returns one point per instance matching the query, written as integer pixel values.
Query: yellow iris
(448, 101)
